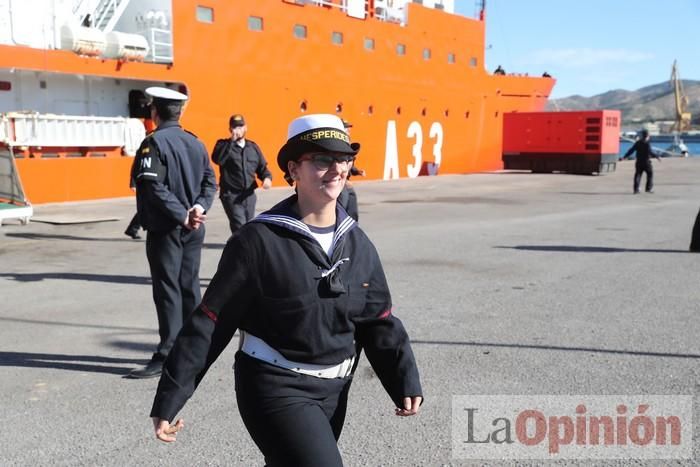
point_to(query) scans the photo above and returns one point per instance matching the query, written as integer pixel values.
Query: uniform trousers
(294, 419)
(134, 225)
(639, 169)
(239, 207)
(174, 257)
(695, 236)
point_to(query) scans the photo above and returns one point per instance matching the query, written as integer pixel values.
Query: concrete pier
(508, 283)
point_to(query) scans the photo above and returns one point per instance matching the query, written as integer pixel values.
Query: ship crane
(682, 121)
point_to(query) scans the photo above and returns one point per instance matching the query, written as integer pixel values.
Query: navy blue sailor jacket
(172, 173)
(276, 282)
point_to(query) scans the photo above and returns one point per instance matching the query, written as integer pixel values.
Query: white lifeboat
(123, 46)
(83, 41)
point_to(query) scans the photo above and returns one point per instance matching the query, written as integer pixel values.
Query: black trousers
(348, 199)
(638, 171)
(134, 225)
(294, 419)
(239, 208)
(695, 238)
(174, 257)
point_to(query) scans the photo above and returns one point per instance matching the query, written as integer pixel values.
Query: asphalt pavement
(508, 283)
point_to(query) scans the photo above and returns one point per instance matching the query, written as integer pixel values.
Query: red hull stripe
(208, 312)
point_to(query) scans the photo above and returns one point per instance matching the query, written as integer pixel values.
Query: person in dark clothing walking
(240, 160)
(306, 289)
(642, 163)
(348, 197)
(175, 186)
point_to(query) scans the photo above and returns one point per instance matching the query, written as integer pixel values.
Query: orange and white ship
(410, 76)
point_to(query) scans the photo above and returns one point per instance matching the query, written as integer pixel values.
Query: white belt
(258, 348)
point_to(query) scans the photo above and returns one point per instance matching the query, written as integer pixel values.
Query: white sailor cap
(312, 122)
(158, 92)
(316, 132)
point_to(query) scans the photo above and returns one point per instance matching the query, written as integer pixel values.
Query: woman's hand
(165, 431)
(410, 406)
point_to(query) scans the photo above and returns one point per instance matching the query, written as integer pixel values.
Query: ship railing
(327, 3)
(47, 130)
(161, 45)
(385, 11)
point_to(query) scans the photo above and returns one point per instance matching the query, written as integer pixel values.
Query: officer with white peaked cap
(157, 92)
(175, 186)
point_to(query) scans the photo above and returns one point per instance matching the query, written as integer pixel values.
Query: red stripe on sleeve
(385, 314)
(208, 312)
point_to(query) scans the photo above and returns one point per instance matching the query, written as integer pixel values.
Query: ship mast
(681, 101)
(481, 9)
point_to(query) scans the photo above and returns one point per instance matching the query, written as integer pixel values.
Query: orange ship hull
(408, 112)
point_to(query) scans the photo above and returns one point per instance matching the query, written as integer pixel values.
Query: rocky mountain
(650, 103)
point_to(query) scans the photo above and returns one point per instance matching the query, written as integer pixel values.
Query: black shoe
(650, 191)
(636, 192)
(133, 234)
(152, 370)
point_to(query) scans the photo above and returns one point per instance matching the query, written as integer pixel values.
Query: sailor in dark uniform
(348, 197)
(305, 287)
(240, 161)
(642, 163)
(175, 186)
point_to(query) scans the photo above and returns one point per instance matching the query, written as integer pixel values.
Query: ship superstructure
(410, 78)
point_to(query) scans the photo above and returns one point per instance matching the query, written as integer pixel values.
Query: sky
(592, 46)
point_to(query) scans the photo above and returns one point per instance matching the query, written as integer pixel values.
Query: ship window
(339, 107)
(369, 43)
(337, 37)
(5, 86)
(472, 62)
(255, 23)
(303, 106)
(400, 49)
(424, 112)
(42, 84)
(300, 31)
(466, 114)
(398, 110)
(370, 109)
(451, 58)
(426, 54)
(205, 14)
(447, 112)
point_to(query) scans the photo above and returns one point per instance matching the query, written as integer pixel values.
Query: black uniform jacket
(275, 281)
(172, 173)
(239, 166)
(643, 150)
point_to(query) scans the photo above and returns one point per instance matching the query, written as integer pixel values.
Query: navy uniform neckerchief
(282, 215)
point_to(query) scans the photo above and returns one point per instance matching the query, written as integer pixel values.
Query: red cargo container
(582, 142)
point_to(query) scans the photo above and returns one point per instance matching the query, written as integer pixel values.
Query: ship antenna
(481, 6)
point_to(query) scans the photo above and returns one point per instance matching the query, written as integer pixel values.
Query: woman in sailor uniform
(305, 287)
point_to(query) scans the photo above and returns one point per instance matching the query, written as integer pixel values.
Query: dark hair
(167, 109)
